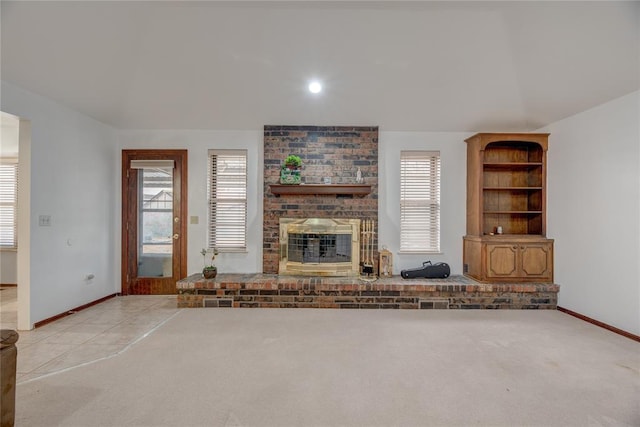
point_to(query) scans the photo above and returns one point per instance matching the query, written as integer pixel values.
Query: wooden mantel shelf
(308, 189)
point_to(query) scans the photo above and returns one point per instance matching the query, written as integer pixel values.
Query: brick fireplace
(334, 152)
(337, 153)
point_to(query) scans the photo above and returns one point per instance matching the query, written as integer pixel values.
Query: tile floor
(97, 332)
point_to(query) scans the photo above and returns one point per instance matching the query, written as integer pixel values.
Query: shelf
(535, 237)
(319, 189)
(512, 212)
(506, 191)
(512, 165)
(512, 188)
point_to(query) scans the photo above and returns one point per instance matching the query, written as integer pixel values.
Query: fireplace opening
(319, 246)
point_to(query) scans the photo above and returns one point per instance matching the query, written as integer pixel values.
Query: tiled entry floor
(92, 334)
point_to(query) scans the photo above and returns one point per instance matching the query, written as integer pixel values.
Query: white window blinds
(420, 201)
(8, 204)
(228, 200)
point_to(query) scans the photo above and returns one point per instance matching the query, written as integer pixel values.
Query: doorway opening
(16, 147)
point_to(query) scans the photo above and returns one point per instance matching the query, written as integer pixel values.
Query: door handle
(176, 236)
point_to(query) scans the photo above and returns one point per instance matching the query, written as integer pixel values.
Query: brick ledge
(270, 290)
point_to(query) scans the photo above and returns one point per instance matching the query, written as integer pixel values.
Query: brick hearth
(271, 290)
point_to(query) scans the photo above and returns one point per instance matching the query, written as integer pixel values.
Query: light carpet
(306, 367)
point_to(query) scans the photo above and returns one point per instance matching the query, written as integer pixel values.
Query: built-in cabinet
(506, 208)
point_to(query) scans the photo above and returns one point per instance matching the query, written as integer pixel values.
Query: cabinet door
(537, 261)
(502, 260)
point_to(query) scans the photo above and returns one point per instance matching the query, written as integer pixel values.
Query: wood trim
(485, 139)
(184, 208)
(600, 324)
(310, 189)
(124, 249)
(72, 311)
(9, 284)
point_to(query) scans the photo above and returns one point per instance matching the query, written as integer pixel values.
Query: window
(420, 201)
(8, 204)
(228, 200)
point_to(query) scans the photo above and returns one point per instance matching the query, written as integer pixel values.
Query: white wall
(8, 267)
(72, 159)
(451, 146)
(198, 143)
(594, 211)
(452, 194)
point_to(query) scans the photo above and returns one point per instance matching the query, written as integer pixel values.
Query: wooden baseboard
(72, 311)
(599, 323)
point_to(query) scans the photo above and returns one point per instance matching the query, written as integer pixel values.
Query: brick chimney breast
(334, 152)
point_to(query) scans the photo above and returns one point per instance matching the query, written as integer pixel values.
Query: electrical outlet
(44, 220)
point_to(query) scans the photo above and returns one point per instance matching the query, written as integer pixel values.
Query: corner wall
(594, 211)
(72, 163)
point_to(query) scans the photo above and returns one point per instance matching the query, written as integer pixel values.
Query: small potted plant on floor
(210, 270)
(290, 171)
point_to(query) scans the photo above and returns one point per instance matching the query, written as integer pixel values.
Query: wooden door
(154, 229)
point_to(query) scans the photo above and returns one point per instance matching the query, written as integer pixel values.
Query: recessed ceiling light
(315, 87)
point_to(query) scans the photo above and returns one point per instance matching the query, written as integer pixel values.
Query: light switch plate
(194, 220)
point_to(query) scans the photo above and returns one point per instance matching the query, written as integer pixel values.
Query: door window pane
(155, 222)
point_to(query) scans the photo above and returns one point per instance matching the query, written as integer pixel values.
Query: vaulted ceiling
(427, 66)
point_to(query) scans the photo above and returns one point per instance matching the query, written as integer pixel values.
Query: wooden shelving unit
(320, 189)
(506, 189)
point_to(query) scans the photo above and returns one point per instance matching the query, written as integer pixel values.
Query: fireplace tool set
(367, 270)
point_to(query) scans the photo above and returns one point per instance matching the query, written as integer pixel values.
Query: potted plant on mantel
(290, 171)
(210, 270)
